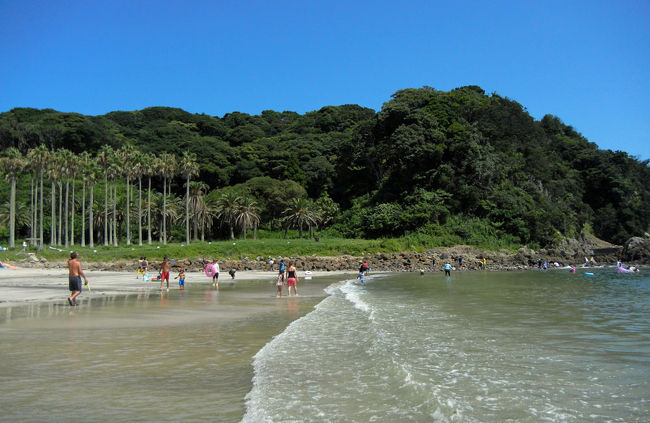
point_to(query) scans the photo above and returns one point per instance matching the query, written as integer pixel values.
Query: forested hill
(428, 163)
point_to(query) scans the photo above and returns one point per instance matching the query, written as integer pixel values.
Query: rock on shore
(568, 252)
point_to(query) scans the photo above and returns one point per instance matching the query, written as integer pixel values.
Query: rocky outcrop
(568, 252)
(637, 250)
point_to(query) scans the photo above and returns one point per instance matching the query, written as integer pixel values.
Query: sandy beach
(23, 286)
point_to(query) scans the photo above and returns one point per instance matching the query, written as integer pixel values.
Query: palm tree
(84, 164)
(92, 171)
(114, 171)
(299, 213)
(246, 216)
(150, 163)
(21, 214)
(11, 165)
(84, 159)
(188, 168)
(138, 169)
(66, 163)
(39, 159)
(53, 176)
(173, 211)
(74, 167)
(168, 170)
(198, 208)
(126, 154)
(226, 212)
(104, 158)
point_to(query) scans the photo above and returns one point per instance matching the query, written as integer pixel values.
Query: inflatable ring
(210, 271)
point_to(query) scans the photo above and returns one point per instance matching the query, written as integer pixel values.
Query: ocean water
(476, 347)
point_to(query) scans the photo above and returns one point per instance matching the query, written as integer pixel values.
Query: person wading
(75, 273)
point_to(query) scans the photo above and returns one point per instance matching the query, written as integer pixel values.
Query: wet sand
(25, 286)
(129, 352)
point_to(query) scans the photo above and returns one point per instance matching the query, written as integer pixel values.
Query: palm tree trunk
(59, 237)
(66, 216)
(149, 212)
(32, 231)
(40, 221)
(255, 231)
(164, 219)
(12, 213)
(83, 215)
(187, 210)
(72, 215)
(105, 209)
(115, 240)
(128, 207)
(90, 216)
(53, 222)
(140, 211)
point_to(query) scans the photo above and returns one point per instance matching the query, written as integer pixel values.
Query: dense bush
(426, 160)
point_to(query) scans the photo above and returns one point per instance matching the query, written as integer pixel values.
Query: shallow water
(146, 357)
(476, 347)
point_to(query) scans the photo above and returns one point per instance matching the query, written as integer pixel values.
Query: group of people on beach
(287, 276)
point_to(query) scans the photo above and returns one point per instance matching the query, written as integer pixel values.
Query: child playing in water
(181, 279)
(280, 284)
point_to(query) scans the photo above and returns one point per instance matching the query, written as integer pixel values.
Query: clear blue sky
(587, 62)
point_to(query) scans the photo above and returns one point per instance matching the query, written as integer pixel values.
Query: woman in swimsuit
(292, 279)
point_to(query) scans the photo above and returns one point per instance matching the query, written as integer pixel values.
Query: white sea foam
(422, 350)
(354, 293)
(259, 399)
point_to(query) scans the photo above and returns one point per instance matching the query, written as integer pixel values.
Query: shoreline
(432, 260)
(26, 286)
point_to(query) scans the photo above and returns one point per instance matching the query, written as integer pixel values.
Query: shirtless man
(74, 278)
(164, 273)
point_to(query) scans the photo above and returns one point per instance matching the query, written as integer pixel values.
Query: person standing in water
(447, 269)
(75, 273)
(164, 273)
(279, 284)
(215, 275)
(181, 279)
(139, 271)
(292, 279)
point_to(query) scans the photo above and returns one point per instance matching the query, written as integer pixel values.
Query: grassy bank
(267, 245)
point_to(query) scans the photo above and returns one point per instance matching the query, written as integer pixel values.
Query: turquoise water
(476, 347)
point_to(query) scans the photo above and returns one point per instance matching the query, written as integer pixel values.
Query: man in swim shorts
(164, 273)
(74, 278)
